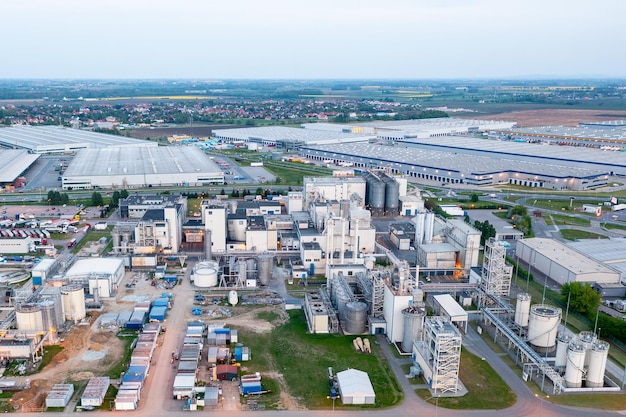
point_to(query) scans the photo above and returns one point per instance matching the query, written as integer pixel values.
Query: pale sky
(345, 39)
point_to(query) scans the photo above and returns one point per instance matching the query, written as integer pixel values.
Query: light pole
(436, 404)
(541, 403)
(333, 397)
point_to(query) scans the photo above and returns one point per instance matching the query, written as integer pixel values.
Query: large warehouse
(562, 263)
(13, 162)
(130, 167)
(459, 166)
(60, 139)
(287, 137)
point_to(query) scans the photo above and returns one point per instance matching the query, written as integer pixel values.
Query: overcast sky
(209, 39)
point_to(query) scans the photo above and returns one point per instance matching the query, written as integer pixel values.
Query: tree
(115, 199)
(518, 211)
(96, 199)
(474, 198)
(123, 194)
(583, 298)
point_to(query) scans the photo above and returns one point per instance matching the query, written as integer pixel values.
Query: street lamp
(541, 403)
(436, 404)
(333, 397)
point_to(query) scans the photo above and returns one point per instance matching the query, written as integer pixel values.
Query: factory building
(100, 275)
(464, 163)
(135, 205)
(160, 230)
(16, 244)
(63, 140)
(563, 263)
(609, 252)
(287, 138)
(331, 188)
(439, 355)
(130, 167)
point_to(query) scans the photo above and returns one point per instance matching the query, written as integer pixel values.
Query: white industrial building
(60, 395)
(331, 188)
(13, 163)
(286, 137)
(448, 308)
(355, 387)
(62, 140)
(609, 252)
(214, 219)
(140, 166)
(562, 263)
(93, 395)
(439, 355)
(101, 275)
(17, 244)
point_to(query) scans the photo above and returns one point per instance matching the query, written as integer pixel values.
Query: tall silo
(207, 245)
(575, 364)
(522, 309)
(542, 326)
(73, 302)
(597, 364)
(392, 196)
(377, 197)
(413, 324)
(429, 227)
(28, 317)
(419, 220)
(562, 342)
(355, 317)
(265, 265)
(587, 338)
(52, 315)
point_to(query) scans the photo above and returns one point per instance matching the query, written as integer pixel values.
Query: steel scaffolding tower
(496, 273)
(442, 348)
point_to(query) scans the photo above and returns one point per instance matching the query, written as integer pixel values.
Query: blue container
(222, 331)
(312, 269)
(238, 353)
(158, 313)
(161, 302)
(196, 311)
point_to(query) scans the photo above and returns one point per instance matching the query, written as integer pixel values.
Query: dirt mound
(100, 338)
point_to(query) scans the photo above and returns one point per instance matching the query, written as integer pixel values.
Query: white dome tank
(542, 325)
(233, 299)
(597, 364)
(562, 342)
(29, 317)
(73, 302)
(575, 364)
(205, 277)
(522, 309)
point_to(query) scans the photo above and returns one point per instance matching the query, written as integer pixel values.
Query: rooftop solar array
(39, 138)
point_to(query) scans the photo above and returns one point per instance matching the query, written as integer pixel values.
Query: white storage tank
(265, 265)
(52, 315)
(587, 338)
(575, 364)
(73, 302)
(355, 317)
(233, 299)
(29, 317)
(205, 277)
(522, 309)
(562, 342)
(542, 325)
(413, 324)
(597, 364)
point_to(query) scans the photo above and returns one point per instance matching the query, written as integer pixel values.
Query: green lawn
(615, 401)
(486, 389)
(613, 226)
(573, 234)
(563, 219)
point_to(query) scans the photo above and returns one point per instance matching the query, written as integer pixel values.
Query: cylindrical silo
(597, 364)
(50, 314)
(419, 220)
(377, 197)
(341, 299)
(429, 226)
(413, 324)
(116, 242)
(208, 255)
(587, 338)
(392, 196)
(522, 309)
(562, 342)
(575, 364)
(542, 326)
(355, 317)
(205, 277)
(29, 317)
(73, 301)
(265, 264)
(250, 268)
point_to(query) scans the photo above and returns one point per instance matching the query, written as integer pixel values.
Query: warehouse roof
(13, 162)
(36, 137)
(140, 160)
(84, 267)
(451, 307)
(289, 134)
(449, 160)
(614, 130)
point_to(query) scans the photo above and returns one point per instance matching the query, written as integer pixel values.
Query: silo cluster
(382, 194)
(586, 360)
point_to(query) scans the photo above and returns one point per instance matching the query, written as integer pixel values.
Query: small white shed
(355, 387)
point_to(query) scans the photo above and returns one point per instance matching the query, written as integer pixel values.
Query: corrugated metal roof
(13, 162)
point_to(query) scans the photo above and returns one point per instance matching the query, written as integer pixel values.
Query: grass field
(288, 348)
(574, 234)
(551, 219)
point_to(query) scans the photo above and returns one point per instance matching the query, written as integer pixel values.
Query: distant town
(179, 246)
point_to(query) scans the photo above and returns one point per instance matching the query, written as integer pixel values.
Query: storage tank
(73, 302)
(52, 315)
(341, 299)
(392, 196)
(355, 317)
(419, 220)
(587, 338)
(377, 197)
(562, 342)
(208, 255)
(429, 226)
(233, 299)
(250, 268)
(116, 242)
(413, 324)
(575, 364)
(29, 317)
(265, 264)
(522, 309)
(542, 325)
(597, 364)
(205, 277)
